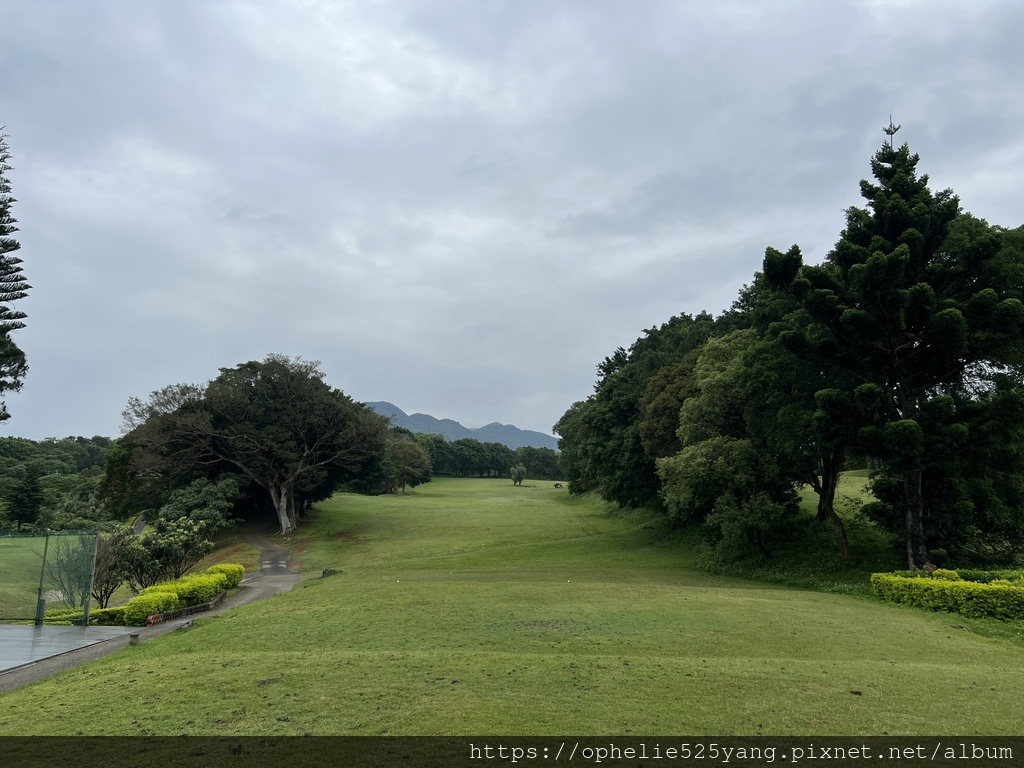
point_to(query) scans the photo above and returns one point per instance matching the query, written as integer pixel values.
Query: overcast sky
(459, 206)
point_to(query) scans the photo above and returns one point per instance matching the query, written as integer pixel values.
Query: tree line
(52, 484)
(901, 352)
(468, 457)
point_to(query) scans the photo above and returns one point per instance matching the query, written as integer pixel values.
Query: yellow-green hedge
(973, 599)
(139, 607)
(233, 571)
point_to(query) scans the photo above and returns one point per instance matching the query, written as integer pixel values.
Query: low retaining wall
(158, 618)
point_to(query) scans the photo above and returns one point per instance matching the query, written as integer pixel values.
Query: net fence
(42, 572)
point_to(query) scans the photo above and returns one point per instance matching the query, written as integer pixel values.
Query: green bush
(973, 599)
(171, 587)
(195, 589)
(986, 577)
(942, 573)
(200, 588)
(62, 614)
(233, 571)
(107, 617)
(139, 607)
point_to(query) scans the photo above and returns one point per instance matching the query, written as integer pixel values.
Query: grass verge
(475, 607)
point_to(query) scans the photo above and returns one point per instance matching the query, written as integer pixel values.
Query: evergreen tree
(12, 287)
(921, 304)
(26, 499)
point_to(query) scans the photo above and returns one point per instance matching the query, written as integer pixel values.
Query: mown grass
(475, 607)
(21, 560)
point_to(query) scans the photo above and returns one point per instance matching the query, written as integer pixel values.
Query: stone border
(160, 618)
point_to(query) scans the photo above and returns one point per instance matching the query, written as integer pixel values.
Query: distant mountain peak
(495, 432)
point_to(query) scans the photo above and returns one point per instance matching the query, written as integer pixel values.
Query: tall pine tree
(12, 288)
(920, 303)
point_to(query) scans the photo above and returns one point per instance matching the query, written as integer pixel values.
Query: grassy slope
(474, 607)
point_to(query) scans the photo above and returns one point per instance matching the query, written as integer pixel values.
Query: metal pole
(92, 575)
(40, 602)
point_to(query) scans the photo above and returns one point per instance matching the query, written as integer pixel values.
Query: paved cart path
(37, 652)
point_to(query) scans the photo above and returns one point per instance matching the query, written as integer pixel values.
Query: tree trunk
(913, 498)
(280, 497)
(917, 550)
(827, 502)
(293, 514)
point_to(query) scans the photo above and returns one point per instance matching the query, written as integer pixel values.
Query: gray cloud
(460, 207)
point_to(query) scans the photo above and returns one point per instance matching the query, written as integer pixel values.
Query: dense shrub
(233, 571)
(970, 598)
(200, 588)
(103, 617)
(139, 607)
(107, 617)
(191, 590)
(164, 587)
(986, 577)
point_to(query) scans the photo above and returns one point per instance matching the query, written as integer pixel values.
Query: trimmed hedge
(233, 571)
(141, 606)
(194, 589)
(200, 588)
(163, 586)
(970, 598)
(987, 577)
(101, 617)
(107, 617)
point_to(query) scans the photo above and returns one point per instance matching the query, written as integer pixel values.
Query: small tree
(110, 570)
(207, 503)
(176, 545)
(70, 568)
(409, 462)
(518, 473)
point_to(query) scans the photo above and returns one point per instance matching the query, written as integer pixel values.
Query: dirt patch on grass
(349, 537)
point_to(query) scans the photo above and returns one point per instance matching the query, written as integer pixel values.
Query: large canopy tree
(276, 422)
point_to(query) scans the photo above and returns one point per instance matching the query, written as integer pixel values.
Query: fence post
(92, 577)
(40, 602)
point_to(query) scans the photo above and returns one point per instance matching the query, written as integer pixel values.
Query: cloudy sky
(459, 206)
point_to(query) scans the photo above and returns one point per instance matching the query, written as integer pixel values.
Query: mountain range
(506, 434)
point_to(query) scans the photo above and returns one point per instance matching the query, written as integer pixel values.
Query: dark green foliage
(175, 545)
(540, 463)
(210, 504)
(904, 349)
(466, 457)
(573, 448)
(68, 470)
(601, 443)
(921, 303)
(26, 499)
(275, 423)
(410, 463)
(986, 577)
(13, 287)
(732, 488)
(107, 617)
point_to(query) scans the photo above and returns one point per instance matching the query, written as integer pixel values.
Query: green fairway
(21, 560)
(478, 607)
